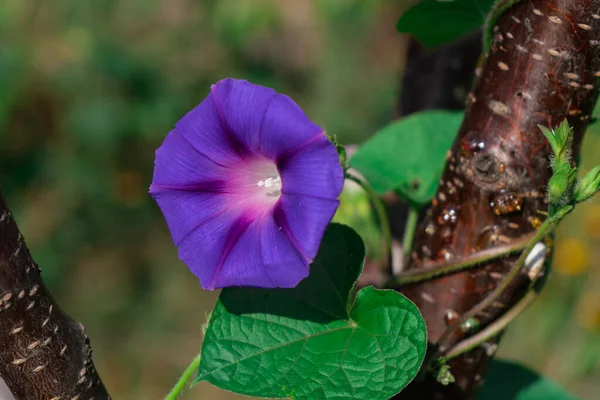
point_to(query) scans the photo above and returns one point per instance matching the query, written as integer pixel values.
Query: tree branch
(433, 80)
(542, 68)
(44, 354)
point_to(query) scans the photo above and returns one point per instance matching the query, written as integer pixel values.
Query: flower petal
(304, 220)
(179, 165)
(242, 105)
(282, 261)
(315, 170)
(185, 211)
(285, 127)
(207, 246)
(204, 129)
(262, 257)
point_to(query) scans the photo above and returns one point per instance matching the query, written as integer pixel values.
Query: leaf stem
(409, 230)
(439, 269)
(381, 215)
(493, 329)
(181, 383)
(544, 230)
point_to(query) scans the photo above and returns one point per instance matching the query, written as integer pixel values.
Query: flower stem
(187, 374)
(544, 230)
(381, 215)
(409, 230)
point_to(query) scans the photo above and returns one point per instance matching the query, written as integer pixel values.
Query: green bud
(564, 135)
(589, 185)
(558, 185)
(341, 152)
(561, 140)
(470, 325)
(444, 376)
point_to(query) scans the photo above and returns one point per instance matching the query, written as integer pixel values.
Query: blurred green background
(88, 90)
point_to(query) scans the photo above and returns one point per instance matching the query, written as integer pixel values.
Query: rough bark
(542, 67)
(44, 354)
(437, 79)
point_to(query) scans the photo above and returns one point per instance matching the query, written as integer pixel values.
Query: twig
(435, 270)
(493, 329)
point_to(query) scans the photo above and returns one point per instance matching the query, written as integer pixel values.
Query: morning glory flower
(247, 185)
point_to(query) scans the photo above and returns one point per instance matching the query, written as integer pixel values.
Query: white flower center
(259, 182)
(271, 187)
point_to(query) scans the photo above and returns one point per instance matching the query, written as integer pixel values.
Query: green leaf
(549, 136)
(315, 341)
(408, 155)
(436, 22)
(510, 381)
(561, 140)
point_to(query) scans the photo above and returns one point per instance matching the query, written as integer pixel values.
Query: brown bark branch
(44, 354)
(433, 80)
(542, 68)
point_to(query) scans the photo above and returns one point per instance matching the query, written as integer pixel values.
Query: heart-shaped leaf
(436, 22)
(315, 341)
(510, 381)
(408, 155)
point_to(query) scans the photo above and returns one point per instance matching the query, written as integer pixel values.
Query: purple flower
(247, 184)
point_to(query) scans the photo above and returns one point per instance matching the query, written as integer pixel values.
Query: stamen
(273, 183)
(258, 182)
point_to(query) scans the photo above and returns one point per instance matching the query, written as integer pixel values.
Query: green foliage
(561, 140)
(444, 375)
(10, 80)
(562, 183)
(439, 368)
(236, 21)
(315, 341)
(509, 381)
(589, 185)
(560, 186)
(356, 211)
(436, 22)
(408, 155)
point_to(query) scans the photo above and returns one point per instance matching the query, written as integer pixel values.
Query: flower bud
(558, 185)
(589, 185)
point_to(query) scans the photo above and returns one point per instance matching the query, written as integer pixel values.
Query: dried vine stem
(542, 67)
(44, 354)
